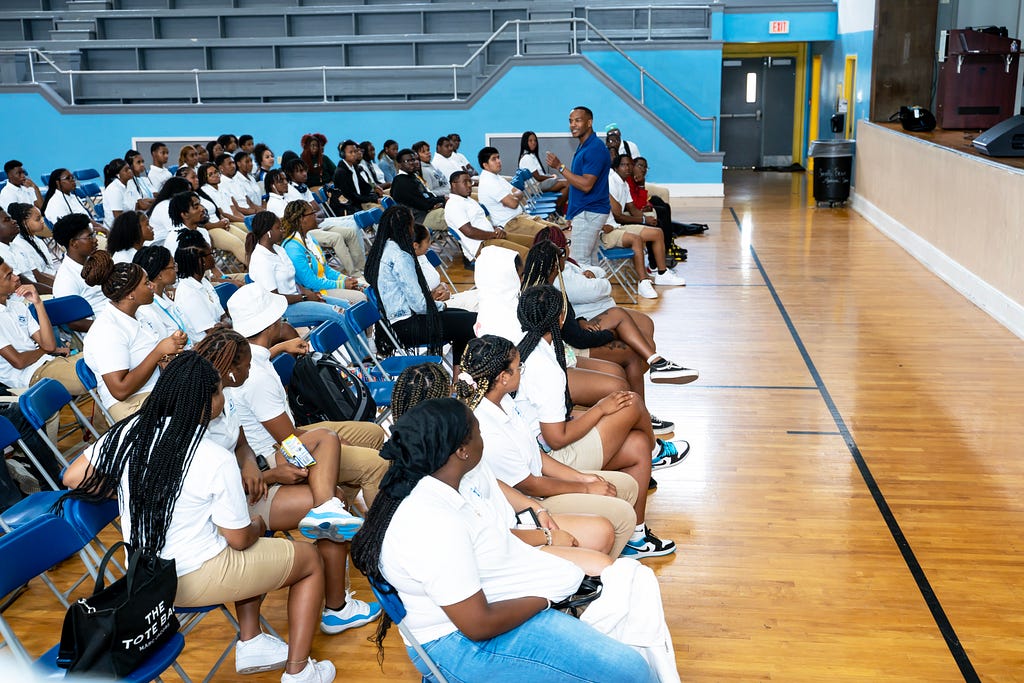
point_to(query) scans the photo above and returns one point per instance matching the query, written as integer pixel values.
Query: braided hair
(179, 205)
(188, 256)
(485, 358)
(152, 259)
(541, 260)
(155, 448)
(172, 187)
(223, 348)
(262, 223)
(539, 311)
(417, 384)
(291, 221)
(19, 213)
(421, 442)
(117, 280)
(394, 227)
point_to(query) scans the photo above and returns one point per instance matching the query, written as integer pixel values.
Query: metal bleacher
(109, 52)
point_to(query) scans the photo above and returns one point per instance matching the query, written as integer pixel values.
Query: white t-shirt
(235, 187)
(619, 191)
(220, 197)
(260, 399)
(12, 193)
(160, 222)
(162, 317)
(172, 237)
(430, 274)
(461, 210)
(158, 176)
(276, 203)
(16, 329)
(446, 166)
(30, 259)
(541, 395)
(492, 189)
(223, 429)
(461, 158)
(61, 204)
(509, 447)
(211, 496)
(294, 193)
(531, 163)
(199, 306)
(124, 255)
(68, 281)
(252, 189)
(273, 270)
(116, 197)
(117, 341)
(14, 260)
(443, 546)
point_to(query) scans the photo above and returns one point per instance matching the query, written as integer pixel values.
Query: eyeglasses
(309, 213)
(66, 178)
(206, 254)
(91, 235)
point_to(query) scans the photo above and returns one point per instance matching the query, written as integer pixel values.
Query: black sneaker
(662, 426)
(649, 546)
(666, 372)
(652, 485)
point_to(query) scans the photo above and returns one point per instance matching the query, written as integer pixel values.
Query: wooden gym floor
(850, 510)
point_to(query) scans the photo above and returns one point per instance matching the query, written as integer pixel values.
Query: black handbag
(118, 626)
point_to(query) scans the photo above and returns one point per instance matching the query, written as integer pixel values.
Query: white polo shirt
(619, 191)
(163, 317)
(252, 189)
(221, 198)
(223, 429)
(461, 210)
(211, 496)
(461, 159)
(116, 197)
(260, 399)
(510, 450)
(68, 281)
(443, 546)
(62, 204)
(14, 259)
(124, 255)
(160, 222)
(492, 189)
(277, 202)
(541, 395)
(446, 166)
(158, 176)
(16, 329)
(30, 258)
(273, 270)
(171, 238)
(12, 193)
(199, 306)
(531, 163)
(117, 341)
(293, 193)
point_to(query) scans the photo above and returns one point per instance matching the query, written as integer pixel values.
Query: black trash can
(833, 166)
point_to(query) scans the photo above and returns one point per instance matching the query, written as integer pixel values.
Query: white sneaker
(668, 279)
(262, 653)
(315, 672)
(354, 614)
(646, 289)
(331, 521)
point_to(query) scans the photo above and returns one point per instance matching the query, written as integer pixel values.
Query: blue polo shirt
(591, 158)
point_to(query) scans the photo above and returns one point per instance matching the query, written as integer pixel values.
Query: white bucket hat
(254, 309)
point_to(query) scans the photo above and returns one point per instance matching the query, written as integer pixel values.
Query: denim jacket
(398, 285)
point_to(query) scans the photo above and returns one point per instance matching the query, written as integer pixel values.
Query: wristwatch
(561, 169)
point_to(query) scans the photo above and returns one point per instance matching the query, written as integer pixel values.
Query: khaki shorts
(262, 506)
(585, 454)
(235, 575)
(610, 240)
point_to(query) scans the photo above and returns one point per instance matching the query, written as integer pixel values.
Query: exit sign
(778, 27)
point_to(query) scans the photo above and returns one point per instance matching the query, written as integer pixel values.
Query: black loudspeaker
(1005, 139)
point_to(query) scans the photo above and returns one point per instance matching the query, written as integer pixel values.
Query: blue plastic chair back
(86, 174)
(387, 202)
(248, 222)
(43, 400)
(88, 190)
(365, 219)
(3, 184)
(65, 309)
(32, 548)
(362, 314)
(85, 375)
(173, 169)
(519, 179)
(371, 296)
(434, 259)
(224, 291)
(8, 433)
(45, 178)
(3, 176)
(328, 337)
(284, 364)
(388, 598)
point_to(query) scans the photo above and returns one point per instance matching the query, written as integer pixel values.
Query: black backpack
(915, 119)
(324, 390)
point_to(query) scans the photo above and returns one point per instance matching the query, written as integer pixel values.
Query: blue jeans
(587, 227)
(312, 313)
(551, 646)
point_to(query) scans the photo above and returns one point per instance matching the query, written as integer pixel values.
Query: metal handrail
(574, 22)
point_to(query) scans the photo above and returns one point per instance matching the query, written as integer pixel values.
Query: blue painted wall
(803, 27)
(675, 69)
(833, 62)
(528, 97)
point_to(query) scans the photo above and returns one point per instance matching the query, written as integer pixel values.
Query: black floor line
(802, 432)
(750, 386)
(938, 614)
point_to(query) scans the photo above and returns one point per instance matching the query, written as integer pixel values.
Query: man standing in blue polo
(588, 186)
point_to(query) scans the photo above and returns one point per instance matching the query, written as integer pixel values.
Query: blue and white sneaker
(330, 521)
(649, 546)
(671, 454)
(354, 614)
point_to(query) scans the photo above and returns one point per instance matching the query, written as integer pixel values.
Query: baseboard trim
(998, 305)
(694, 189)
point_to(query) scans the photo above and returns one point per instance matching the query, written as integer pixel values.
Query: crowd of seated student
(154, 352)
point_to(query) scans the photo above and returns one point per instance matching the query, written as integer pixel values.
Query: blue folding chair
(284, 364)
(519, 179)
(84, 174)
(329, 338)
(30, 550)
(88, 380)
(387, 202)
(45, 178)
(618, 261)
(10, 436)
(388, 598)
(224, 291)
(368, 218)
(62, 310)
(248, 222)
(361, 316)
(436, 261)
(45, 399)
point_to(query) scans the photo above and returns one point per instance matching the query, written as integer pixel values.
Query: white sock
(654, 357)
(639, 533)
